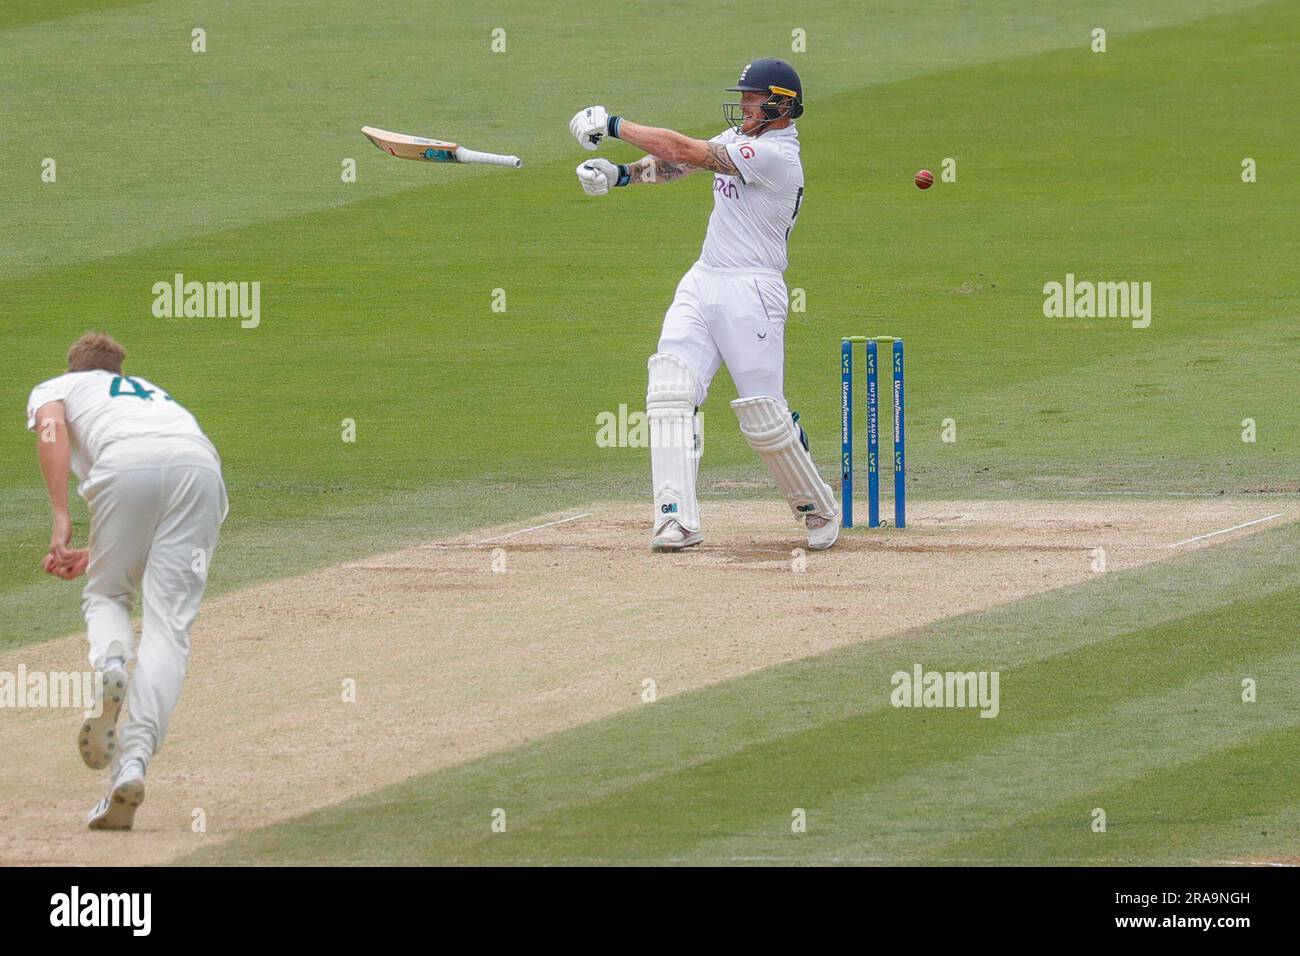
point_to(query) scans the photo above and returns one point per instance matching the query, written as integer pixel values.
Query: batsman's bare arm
(678, 150)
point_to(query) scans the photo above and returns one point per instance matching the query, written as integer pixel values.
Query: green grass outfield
(376, 297)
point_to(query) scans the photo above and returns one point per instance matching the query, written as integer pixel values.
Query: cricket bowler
(731, 304)
(153, 482)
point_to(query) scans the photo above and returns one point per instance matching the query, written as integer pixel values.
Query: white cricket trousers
(735, 316)
(155, 507)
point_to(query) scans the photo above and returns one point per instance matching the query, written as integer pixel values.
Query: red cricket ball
(924, 179)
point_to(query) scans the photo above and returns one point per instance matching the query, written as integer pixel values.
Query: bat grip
(490, 159)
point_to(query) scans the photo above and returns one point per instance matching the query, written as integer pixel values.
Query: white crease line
(539, 527)
(1236, 527)
(392, 567)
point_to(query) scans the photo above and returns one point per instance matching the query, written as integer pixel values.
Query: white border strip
(1236, 527)
(538, 527)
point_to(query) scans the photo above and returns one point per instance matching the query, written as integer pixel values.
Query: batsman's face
(751, 105)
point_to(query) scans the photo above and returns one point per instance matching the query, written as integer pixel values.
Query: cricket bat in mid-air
(433, 150)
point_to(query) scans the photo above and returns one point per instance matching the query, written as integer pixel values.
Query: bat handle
(490, 159)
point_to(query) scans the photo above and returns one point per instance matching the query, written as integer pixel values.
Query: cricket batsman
(153, 483)
(731, 304)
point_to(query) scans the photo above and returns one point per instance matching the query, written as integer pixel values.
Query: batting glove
(591, 125)
(597, 176)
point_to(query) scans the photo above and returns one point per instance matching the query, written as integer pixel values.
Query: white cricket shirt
(102, 407)
(754, 213)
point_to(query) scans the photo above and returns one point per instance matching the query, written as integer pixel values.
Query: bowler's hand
(588, 126)
(64, 560)
(76, 561)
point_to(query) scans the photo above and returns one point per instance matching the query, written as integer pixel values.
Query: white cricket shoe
(97, 738)
(673, 537)
(823, 531)
(117, 810)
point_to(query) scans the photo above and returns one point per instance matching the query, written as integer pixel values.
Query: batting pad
(674, 441)
(770, 431)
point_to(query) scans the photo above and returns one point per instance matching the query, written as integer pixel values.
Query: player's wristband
(624, 175)
(612, 125)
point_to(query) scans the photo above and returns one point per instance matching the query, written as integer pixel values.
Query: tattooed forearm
(652, 169)
(719, 160)
(675, 149)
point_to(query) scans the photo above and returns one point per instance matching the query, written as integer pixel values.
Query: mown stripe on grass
(1235, 802)
(23, 13)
